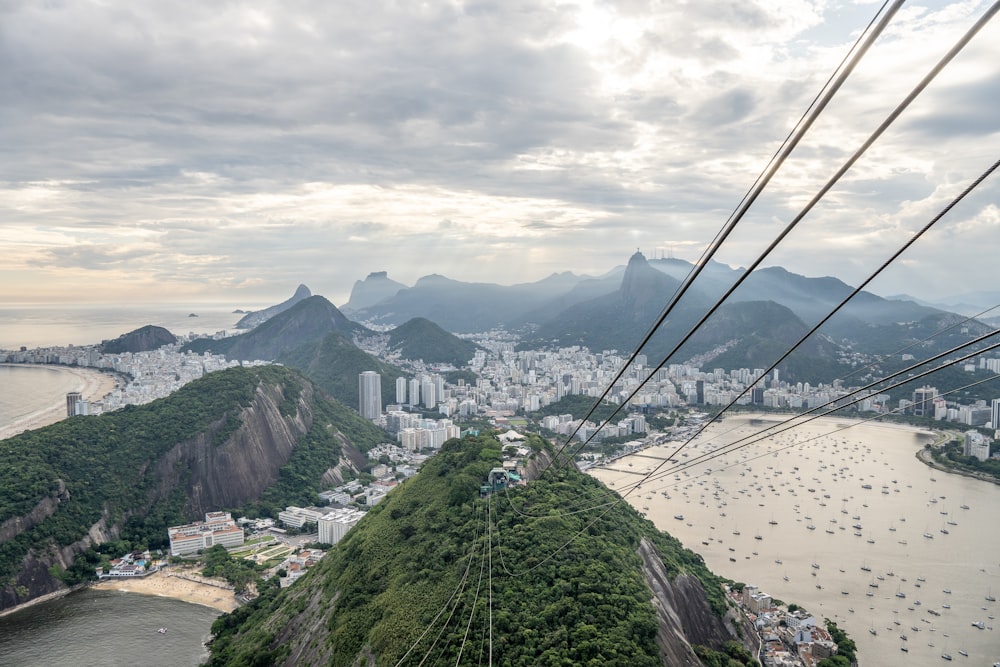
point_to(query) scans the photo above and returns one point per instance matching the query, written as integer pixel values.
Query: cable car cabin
(498, 479)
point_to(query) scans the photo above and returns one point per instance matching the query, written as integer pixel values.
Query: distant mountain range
(316, 338)
(772, 309)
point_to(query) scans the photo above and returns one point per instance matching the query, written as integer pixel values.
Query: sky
(224, 152)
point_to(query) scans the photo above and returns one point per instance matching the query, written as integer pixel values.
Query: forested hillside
(420, 577)
(262, 436)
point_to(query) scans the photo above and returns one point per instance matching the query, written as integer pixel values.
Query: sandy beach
(175, 585)
(92, 384)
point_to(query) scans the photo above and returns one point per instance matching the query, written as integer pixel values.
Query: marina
(780, 489)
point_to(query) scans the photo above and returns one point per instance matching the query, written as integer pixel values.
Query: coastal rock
(143, 339)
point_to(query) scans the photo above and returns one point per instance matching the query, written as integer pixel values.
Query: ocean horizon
(62, 325)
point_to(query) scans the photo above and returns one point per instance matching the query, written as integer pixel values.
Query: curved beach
(92, 384)
(176, 586)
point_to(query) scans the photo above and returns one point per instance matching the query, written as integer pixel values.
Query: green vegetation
(453, 377)
(566, 588)
(87, 468)
(103, 461)
(318, 450)
(334, 364)
(238, 572)
(950, 454)
(420, 338)
(846, 648)
(732, 655)
(578, 406)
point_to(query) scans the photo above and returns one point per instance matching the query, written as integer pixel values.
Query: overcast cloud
(227, 151)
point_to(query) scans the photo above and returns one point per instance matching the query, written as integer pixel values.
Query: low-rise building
(217, 528)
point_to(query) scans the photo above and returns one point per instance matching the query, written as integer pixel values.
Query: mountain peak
(642, 282)
(374, 288)
(256, 318)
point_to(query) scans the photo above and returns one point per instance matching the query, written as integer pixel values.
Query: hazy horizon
(191, 152)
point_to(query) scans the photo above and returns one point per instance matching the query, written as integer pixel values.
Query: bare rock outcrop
(685, 616)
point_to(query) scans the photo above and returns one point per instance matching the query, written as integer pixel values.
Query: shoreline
(159, 584)
(175, 587)
(54, 595)
(92, 384)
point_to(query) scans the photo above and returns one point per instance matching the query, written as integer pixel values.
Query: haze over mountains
(770, 311)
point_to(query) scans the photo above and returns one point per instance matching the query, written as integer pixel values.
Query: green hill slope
(308, 320)
(334, 364)
(423, 573)
(242, 436)
(422, 339)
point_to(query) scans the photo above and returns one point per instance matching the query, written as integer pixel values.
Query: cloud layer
(231, 150)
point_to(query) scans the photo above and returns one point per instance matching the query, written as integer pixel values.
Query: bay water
(844, 520)
(108, 629)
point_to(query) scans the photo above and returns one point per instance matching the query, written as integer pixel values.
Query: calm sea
(28, 389)
(107, 628)
(786, 521)
(72, 324)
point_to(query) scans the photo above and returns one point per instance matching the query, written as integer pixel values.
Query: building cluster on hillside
(787, 638)
(512, 381)
(414, 432)
(217, 528)
(298, 563)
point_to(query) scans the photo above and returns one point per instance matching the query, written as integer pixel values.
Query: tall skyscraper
(401, 390)
(429, 394)
(72, 398)
(415, 391)
(995, 413)
(370, 395)
(923, 402)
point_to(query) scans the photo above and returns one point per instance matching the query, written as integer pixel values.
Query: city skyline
(190, 153)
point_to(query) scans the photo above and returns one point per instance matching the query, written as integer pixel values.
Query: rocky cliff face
(684, 614)
(247, 462)
(228, 464)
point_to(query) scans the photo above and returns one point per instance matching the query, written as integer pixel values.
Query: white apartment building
(335, 525)
(217, 528)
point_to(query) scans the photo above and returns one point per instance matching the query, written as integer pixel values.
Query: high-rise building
(415, 391)
(72, 398)
(370, 395)
(923, 402)
(429, 394)
(401, 390)
(995, 413)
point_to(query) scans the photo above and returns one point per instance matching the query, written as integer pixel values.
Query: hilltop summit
(373, 289)
(258, 317)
